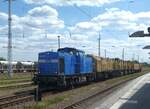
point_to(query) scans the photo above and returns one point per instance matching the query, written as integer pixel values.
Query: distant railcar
(18, 67)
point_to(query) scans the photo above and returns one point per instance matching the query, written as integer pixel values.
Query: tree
(35, 65)
(19, 65)
(2, 59)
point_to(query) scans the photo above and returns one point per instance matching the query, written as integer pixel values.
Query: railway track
(83, 103)
(17, 85)
(17, 99)
(26, 96)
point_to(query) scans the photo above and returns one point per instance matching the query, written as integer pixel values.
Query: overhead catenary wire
(84, 12)
(88, 15)
(129, 2)
(23, 33)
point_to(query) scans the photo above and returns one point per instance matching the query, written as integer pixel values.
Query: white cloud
(116, 20)
(114, 25)
(3, 16)
(43, 16)
(33, 24)
(85, 33)
(43, 11)
(36, 20)
(72, 2)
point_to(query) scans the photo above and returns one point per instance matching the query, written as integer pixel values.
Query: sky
(37, 23)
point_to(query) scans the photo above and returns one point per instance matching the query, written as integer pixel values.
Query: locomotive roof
(68, 49)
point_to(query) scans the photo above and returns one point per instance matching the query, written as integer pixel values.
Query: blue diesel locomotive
(66, 67)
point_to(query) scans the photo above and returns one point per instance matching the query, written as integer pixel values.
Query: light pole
(123, 54)
(105, 53)
(99, 45)
(123, 58)
(138, 58)
(10, 72)
(113, 51)
(58, 42)
(133, 57)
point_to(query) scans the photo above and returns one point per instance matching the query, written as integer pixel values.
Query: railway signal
(141, 33)
(137, 34)
(146, 47)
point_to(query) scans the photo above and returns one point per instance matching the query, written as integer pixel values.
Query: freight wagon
(70, 66)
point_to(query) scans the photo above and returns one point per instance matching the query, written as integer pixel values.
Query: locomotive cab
(56, 63)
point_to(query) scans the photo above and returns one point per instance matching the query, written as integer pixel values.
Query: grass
(17, 78)
(47, 103)
(6, 82)
(15, 84)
